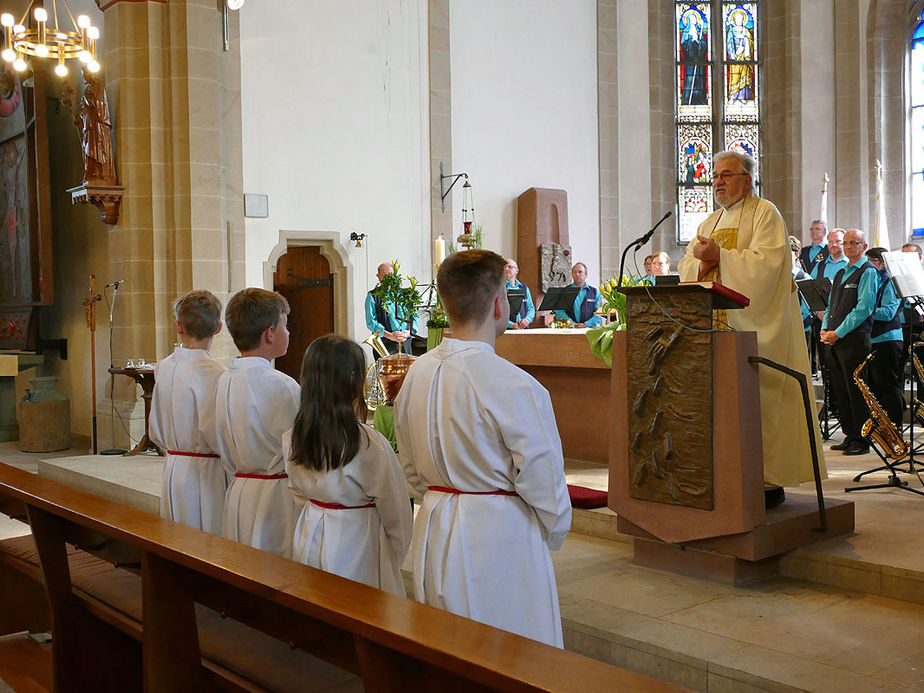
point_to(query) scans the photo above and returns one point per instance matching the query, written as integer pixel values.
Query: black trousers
(842, 360)
(885, 378)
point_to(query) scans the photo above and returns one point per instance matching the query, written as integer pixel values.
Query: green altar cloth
(383, 421)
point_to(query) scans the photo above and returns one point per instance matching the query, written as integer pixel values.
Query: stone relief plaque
(669, 395)
(554, 265)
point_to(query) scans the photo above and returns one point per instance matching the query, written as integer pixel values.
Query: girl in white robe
(356, 518)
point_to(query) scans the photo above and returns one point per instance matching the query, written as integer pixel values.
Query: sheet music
(907, 273)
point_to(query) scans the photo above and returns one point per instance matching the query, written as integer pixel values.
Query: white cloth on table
(255, 405)
(183, 420)
(468, 419)
(760, 267)
(363, 544)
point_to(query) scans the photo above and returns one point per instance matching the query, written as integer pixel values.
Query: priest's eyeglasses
(725, 176)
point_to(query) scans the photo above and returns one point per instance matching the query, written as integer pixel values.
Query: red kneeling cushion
(587, 498)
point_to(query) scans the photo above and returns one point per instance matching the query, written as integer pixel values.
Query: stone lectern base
(738, 559)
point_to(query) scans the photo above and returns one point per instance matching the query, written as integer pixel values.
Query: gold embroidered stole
(728, 238)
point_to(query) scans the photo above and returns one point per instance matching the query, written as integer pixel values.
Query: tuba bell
(879, 426)
(372, 388)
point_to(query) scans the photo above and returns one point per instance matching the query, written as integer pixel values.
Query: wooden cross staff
(89, 302)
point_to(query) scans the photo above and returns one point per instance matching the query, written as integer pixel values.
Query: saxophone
(879, 426)
(917, 407)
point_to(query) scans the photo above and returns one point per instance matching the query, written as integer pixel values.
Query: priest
(745, 246)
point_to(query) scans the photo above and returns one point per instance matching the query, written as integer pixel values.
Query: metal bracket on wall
(445, 191)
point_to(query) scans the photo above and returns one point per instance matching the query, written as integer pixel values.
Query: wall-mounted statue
(94, 125)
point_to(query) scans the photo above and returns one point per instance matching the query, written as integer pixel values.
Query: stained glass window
(717, 97)
(916, 100)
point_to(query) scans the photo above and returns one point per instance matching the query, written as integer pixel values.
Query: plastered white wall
(524, 113)
(334, 115)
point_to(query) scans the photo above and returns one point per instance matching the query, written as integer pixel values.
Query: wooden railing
(393, 643)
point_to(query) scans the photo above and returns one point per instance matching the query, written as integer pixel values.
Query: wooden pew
(392, 643)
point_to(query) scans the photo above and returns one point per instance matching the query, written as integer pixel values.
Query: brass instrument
(372, 388)
(879, 426)
(917, 407)
(384, 377)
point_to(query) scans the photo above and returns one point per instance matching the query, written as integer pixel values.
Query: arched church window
(916, 131)
(717, 103)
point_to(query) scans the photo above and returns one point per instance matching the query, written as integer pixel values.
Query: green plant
(613, 300)
(399, 301)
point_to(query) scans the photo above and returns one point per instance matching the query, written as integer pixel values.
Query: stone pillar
(175, 93)
(781, 164)
(440, 120)
(886, 49)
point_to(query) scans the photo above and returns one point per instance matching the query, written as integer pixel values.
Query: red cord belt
(498, 492)
(242, 475)
(337, 506)
(183, 453)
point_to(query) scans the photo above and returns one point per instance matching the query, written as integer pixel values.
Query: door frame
(336, 255)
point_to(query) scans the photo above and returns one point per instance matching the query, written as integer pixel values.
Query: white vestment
(183, 420)
(363, 544)
(255, 405)
(760, 267)
(469, 420)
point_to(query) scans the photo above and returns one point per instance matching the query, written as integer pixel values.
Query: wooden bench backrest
(392, 642)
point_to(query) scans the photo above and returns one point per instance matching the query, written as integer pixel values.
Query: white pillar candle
(439, 251)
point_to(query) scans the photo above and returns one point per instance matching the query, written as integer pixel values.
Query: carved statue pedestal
(106, 198)
(686, 462)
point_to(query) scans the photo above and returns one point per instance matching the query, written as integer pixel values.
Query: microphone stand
(638, 243)
(112, 450)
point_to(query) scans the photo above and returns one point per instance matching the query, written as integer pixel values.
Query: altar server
(744, 245)
(182, 418)
(255, 405)
(356, 517)
(478, 439)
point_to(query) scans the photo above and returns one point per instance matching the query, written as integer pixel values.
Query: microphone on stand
(638, 243)
(113, 450)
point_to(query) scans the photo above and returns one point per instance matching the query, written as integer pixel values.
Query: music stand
(559, 298)
(815, 292)
(516, 298)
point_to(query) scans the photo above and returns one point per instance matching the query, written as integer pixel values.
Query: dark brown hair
(876, 253)
(250, 312)
(199, 312)
(327, 433)
(467, 281)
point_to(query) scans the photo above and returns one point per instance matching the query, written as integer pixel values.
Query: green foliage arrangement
(613, 300)
(403, 299)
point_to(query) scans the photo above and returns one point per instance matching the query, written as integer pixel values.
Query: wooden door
(303, 277)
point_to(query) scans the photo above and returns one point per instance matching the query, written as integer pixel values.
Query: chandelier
(45, 39)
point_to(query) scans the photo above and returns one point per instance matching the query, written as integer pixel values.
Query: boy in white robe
(255, 404)
(182, 418)
(478, 439)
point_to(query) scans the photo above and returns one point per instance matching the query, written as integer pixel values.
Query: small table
(145, 378)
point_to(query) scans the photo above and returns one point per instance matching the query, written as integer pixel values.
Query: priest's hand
(706, 251)
(829, 337)
(523, 324)
(402, 336)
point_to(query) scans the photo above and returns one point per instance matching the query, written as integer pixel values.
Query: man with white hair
(744, 245)
(846, 329)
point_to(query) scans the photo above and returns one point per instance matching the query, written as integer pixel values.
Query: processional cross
(89, 302)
